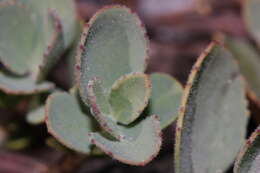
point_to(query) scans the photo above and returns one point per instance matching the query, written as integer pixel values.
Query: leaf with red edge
(138, 151)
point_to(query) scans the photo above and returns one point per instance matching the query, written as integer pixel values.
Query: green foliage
(113, 44)
(248, 160)
(113, 104)
(133, 151)
(249, 62)
(67, 122)
(165, 99)
(212, 119)
(129, 96)
(110, 67)
(15, 16)
(46, 30)
(25, 85)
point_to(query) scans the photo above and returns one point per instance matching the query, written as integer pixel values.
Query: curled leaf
(129, 96)
(100, 108)
(138, 151)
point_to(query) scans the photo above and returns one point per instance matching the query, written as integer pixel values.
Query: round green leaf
(166, 98)
(19, 35)
(67, 123)
(113, 44)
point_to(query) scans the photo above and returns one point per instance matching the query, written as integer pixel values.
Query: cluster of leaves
(34, 34)
(114, 90)
(114, 104)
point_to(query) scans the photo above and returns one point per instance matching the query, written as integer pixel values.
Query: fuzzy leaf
(100, 108)
(249, 62)
(60, 26)
(71, 54)
(248, 160)
(166, 97)
(212, 118)
(138, 151)
(67, 123)
(22, 85)
(53, 50)
(17, 45)
(123, 51)
(129, 96)
(251, 17)
(46, 29)
(66, 11)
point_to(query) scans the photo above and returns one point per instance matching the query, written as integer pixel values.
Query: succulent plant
(212, 120)
(108, 105)
(114, 106)
(248, 160)
(33, 35)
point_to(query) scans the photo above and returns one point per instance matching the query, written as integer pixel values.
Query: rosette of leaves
(33, 34)
(108, 106)
(212, 120)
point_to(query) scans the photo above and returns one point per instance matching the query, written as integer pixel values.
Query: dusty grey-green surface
(248, 160)
(113, 45)
(212, 121)
(67, 123)
(166, 98)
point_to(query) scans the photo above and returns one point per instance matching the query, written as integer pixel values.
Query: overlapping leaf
(133, 151)
(67, 122)
(113, 44)
(165, 99)
(129, 96)
(46, 29)
(248, 160)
